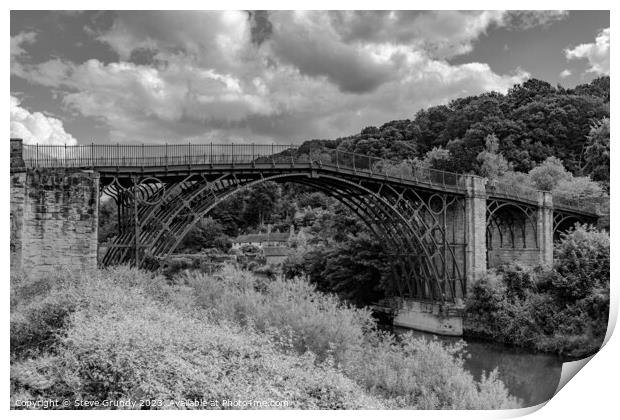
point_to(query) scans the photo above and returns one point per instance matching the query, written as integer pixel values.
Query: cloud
(307, 41)
(35, 127)
(217, 40)
(18, 40)
(442, 34)
(597, 53)
(565, 73)
(527, 19)
(292, 76)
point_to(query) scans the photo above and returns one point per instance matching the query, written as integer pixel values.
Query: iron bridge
(419, 214)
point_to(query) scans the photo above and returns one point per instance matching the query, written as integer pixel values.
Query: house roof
(262, 237)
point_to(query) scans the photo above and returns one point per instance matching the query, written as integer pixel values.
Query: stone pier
(437, 318)
(54, 217)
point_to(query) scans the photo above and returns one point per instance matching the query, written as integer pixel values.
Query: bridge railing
(512, 191)
(115, 155)
(376, 166)
(590, 204)
(528, 194)
(141, 155)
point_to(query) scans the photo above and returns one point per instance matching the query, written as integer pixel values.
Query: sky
(278, 76)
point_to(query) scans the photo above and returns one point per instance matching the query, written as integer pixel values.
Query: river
(530, 376)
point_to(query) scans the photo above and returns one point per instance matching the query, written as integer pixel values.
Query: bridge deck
(169, 160)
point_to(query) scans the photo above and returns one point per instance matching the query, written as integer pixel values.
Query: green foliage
(131, 335)
(532, 122)
(439, 158)
(579, 187)
(414, 373)
(564, 309)
(207, 233)
(549, 174)
(356, 269)
(597, 151)
(493, 165)
(582, 260)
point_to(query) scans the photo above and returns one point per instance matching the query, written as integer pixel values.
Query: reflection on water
(532, 377)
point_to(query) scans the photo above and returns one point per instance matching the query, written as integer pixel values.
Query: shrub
(321, 323)
(412, 374)
(129, 340)
(564, 309)
(131, 334)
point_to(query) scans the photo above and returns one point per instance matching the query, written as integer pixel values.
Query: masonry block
(433, 317)
(54, 220)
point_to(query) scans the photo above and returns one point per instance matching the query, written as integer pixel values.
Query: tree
(597, 152)
(492, 164)
(581, 187)
(582, 259)
(438, 158)
(207, 233)
(549, 174)
(261, 202)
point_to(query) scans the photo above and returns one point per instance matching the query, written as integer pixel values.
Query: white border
(592, 394)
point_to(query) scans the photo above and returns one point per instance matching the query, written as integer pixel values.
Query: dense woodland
(537, 135)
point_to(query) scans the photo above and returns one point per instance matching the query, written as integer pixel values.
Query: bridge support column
(54, 218)
(545, 228)
(433, 317)
(475, 229)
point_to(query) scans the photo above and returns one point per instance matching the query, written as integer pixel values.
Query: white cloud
(211, 76)
(565, 73)
(442, 34)
(597, 53)
(35, 127)
(18, 40)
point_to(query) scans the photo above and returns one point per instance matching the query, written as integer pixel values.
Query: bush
(131, 339)
(128, 334)
(412, 374)
(564, 309)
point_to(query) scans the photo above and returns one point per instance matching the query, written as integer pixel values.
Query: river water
(530, 376)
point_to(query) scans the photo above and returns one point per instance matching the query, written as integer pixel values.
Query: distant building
(262, 240)
(275, 254)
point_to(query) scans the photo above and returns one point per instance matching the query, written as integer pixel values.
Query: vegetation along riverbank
(121, 333)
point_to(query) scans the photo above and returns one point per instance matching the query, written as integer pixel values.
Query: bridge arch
(164, 212)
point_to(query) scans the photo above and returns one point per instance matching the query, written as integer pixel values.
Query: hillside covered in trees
(532, 122)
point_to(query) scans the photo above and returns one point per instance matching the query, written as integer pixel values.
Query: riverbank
(123, 334)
